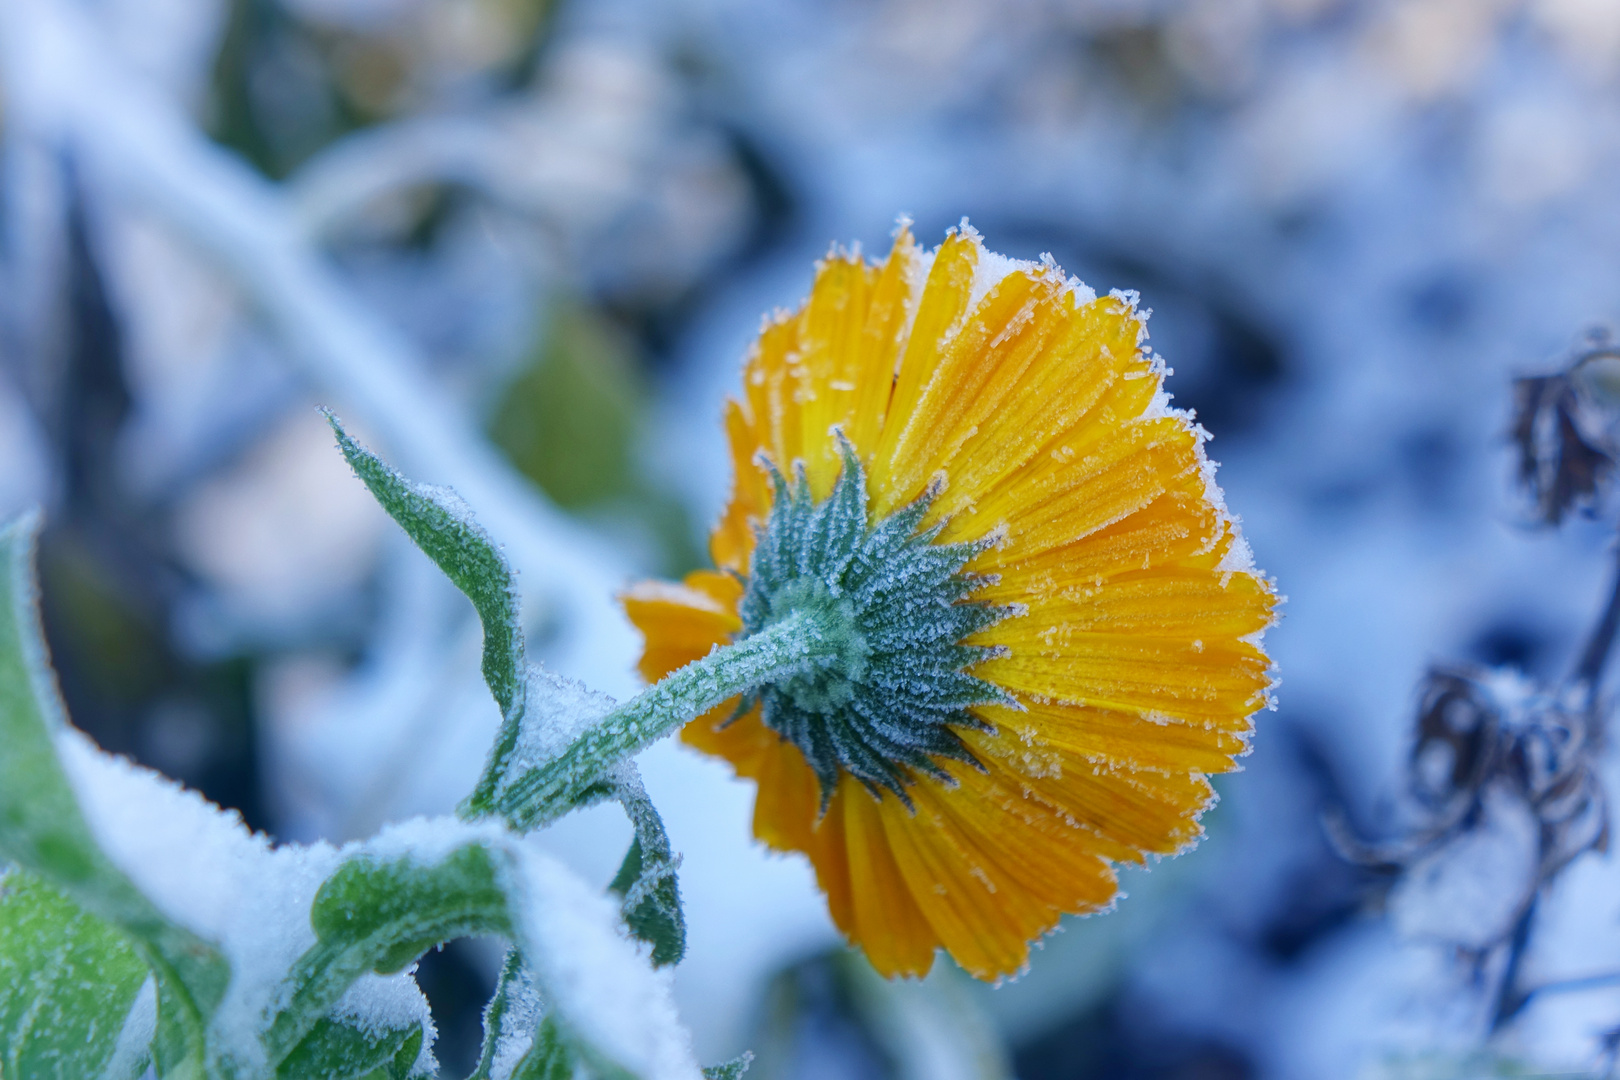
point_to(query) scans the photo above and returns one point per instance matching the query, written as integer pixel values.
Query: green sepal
(68, 981)
(376, 915)
(334, 1050)
(43, 831)
(443, 527)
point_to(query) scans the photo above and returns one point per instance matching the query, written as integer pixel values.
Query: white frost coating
(524, 1012)
(378, 1004)
(601, 985)
(555, 712)
(206, 872)
(135, 1037)
(429, 841)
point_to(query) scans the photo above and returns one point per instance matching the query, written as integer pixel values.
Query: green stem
(547, 791)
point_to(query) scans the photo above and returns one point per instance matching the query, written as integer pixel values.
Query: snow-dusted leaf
(206, 872)
(520, 1041)
(68, 987)
(731, 1070)
(548, 1056)
(556, 712)
(215, 912)
(426, 881)
(379, 914)
(337, 1049)
(646, 879)
(42, 829)
(609, 1004)
(442, 525)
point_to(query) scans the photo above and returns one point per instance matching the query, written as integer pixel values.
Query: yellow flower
(1065, 638)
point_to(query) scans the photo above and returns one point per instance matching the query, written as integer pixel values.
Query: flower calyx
(886, 701)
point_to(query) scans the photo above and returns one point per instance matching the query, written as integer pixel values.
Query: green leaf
(43, 831)
(515, 1013)
(731, 1070)
(334, 1050)
(67, 984)
(379, 915)
(548, 1058)
(646, 879)
(442, 526)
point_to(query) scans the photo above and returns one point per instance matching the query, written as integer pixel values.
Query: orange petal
(942, 304)
(889, 925)
(681, 623)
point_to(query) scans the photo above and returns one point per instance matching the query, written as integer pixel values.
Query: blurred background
(520, 247)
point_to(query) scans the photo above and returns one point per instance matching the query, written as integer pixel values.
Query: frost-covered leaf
(379, 914)
(442, 525)
(548, 1056)
(731, 1070)
(68, 986)
(520, 1041)
(336, 1049)
(652, 904)
(205, 871)
(215, 913)
(427, 881)
(646, 879)
(43, 830)
(610, 1005)
(556, 712)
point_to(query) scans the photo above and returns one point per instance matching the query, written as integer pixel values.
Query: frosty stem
(794, 644)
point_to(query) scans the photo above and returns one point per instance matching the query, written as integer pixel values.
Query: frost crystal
(886, 702)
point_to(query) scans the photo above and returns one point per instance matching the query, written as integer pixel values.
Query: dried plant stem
(1589, 672)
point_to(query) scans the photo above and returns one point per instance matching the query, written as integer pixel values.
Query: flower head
(1042, 627)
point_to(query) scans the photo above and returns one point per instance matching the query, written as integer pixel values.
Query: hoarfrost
(524, 1012)
(205, 871)
(604, 989)
(557, 711)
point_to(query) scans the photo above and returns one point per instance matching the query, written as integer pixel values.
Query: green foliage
(514, 1013)
(652, 908)
(376, 915)
(568, 420)
(646, 878)
(443, 527)
(42, 830)
(67, 983)
(78, 939)
(731, 1070)
(335, 1050)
